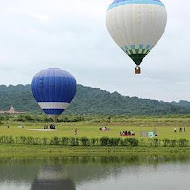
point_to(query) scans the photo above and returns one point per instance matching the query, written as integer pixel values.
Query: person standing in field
(76, 131)
(184, 129)
(175, 130)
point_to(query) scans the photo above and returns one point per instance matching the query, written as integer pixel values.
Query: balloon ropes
(53, 89)
(136, 26)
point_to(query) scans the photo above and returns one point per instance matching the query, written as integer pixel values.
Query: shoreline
(50, 151)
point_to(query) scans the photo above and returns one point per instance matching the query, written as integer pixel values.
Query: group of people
(127, 133)
(181, 129)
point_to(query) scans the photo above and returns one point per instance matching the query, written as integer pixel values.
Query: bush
(166, 142)
(28, 118)
(94, 141)
(129, 142)
(74, 141)
(85, 141)
(124, 142)
(44, 141)
(54, 141)
(17, 140)
(22, 140)
(65, 141)
(133, 142)
(29, 140)
(20, 118)
(142, 142)
(7, 139)
(173, 143)
(154, 142)
(38, 140)
(183, 142)
(1, 119)
(114, 141)
(104, 141)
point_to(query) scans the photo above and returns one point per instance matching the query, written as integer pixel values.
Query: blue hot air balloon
(53, 89)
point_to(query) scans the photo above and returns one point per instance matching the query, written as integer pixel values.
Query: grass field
(90, 127)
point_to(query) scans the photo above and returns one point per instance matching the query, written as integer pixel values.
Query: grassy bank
(34, 151)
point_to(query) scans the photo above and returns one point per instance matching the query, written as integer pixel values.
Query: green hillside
(91, 101)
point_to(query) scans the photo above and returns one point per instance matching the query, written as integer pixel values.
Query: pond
(96, 173)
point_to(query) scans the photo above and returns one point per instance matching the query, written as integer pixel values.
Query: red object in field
(137, 70)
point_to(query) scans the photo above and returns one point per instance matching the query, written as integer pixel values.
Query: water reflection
(52, 178)
(84, 173)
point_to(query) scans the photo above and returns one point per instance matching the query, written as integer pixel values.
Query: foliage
(94, 141)
(130, 142)
(1, 119)
(84, 141)
(65, 141)
(175, 143)
(90, 101)
(183, 142)
(155, 142)
(55, 141)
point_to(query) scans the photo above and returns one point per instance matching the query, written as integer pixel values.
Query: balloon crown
(117, 3)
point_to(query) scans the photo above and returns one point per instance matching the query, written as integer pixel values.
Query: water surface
(96, 173)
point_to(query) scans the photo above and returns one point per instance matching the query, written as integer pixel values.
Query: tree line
(91, 101)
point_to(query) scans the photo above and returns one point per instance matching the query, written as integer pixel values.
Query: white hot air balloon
(136, 26)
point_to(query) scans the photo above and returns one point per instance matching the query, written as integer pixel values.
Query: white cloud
(37, 16)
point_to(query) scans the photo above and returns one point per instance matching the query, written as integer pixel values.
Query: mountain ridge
(90, 100)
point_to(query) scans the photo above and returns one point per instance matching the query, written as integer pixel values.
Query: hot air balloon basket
(137, 70)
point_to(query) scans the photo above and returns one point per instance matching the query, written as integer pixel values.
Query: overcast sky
(40, 34)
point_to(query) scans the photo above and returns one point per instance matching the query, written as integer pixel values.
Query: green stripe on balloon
(137, 58)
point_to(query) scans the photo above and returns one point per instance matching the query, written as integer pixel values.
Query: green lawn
(48, 151)
(89, 127)
(164, 126)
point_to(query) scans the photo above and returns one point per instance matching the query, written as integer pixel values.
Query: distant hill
(92, 101)
(182, 103)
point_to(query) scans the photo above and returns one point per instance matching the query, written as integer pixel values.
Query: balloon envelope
(136, 25)
(53, 89)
